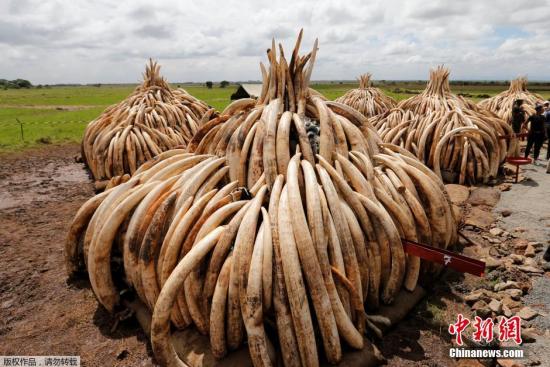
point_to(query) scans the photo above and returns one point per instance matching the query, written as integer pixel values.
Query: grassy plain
(60, 113)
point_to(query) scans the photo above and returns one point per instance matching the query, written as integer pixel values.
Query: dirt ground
(42, 314)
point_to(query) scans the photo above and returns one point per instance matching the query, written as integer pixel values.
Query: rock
(546, 266)
(458, 193)
(521, 244)
(484, 196)
(479, 304)
(495, 306)
(481, 309)
(122, 354)
(506, 213)
(508, 363)
(510, 303)
(528, 335)
(496, 231)
(520, 229)
(529, 261)
(505, 186)
(492, 263)
(479, 218)
(530, 251)
(506, 311)
(530, 269)
(469, 363)
(525, 286)
(473, 297)
(490, 295)
(493, 251)
(517, 259)
(514, 293)
(505, 285)
(535, 244)
(527, 313)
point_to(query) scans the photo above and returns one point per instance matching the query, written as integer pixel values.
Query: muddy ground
(40, 313)
(43, 314)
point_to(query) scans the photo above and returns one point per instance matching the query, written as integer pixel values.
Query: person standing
(537, 132)
(518, 116)
(547, 126)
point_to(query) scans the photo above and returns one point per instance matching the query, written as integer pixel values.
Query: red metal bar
(447, 258)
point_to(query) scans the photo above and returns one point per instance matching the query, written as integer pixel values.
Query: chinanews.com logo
(509, 330)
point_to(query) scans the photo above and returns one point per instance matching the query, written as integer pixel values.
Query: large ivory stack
(153, 119)
(368, 100)
(502, 103)
(460, 141)
(279, 225)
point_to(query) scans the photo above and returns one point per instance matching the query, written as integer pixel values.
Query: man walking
(537, 132)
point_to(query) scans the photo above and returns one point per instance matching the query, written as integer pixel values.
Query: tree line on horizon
(15, 84)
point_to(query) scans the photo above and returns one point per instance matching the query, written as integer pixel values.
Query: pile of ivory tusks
(447, 132)
(368, 100)
(285, 244)
(502, 103)
(153, 119)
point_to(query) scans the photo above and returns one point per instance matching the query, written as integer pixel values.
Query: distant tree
(15, 84)
(224, 83)
(22, 83)
(209, 84)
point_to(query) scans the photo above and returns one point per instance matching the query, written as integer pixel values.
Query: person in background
(518, 115)
(547, 126)
(537, 132)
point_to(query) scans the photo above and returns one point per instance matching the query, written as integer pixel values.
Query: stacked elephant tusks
(368, 100)
(460, 141)
(284, 214)
(153, 119)
(502, 103)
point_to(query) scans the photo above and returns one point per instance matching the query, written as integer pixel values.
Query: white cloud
(61, 41)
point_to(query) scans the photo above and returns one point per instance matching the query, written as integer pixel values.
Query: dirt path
(529, 203)
(40, 314)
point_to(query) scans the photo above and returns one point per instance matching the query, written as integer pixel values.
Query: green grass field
(60, 114)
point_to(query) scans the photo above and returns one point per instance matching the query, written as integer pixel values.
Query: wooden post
(21, 126)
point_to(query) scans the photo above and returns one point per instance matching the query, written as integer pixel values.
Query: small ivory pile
(291, 228)
(368, 100)
(460, 141)
(502, 103)
(153, 119)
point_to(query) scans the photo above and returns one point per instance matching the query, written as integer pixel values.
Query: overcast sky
(83, 41)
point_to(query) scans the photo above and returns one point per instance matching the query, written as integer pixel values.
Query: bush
(209, 84)
(224, 83)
